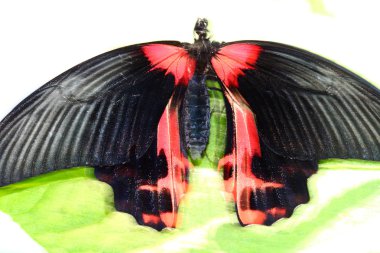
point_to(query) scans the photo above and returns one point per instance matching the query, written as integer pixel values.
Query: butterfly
(138, 113)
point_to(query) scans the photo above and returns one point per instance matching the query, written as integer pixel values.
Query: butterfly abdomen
(195, 116)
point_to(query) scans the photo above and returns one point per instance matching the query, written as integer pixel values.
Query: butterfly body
(136, 113)
(195, 111)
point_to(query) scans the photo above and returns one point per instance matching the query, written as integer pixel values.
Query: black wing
(308, 107)
(102, 112)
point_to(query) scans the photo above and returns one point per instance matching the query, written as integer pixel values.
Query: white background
(41, 39)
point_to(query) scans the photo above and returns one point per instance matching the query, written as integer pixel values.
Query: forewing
(306, 107)
(102, 112)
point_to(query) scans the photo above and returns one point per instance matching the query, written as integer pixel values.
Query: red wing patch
(230, 61)
(175, 60)
(173, 185)
(240, 181)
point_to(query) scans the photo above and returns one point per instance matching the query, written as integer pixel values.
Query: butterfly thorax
(203, 48)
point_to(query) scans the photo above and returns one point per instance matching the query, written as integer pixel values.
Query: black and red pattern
(121, 113)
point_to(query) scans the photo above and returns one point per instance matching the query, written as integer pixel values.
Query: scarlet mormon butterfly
(137, 112)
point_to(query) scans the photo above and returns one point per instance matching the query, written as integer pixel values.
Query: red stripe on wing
(230, 61)
(243, 181)
(174, 184)
(175, 60)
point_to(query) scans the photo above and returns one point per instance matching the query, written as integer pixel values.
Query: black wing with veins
(308, 107)
(102, 112)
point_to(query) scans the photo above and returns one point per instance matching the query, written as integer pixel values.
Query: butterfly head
(200, 30)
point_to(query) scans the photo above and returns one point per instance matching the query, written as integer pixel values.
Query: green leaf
(70, 211)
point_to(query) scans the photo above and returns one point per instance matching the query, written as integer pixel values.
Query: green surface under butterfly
(70, 211)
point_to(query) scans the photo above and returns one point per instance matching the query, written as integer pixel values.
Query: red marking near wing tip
(175, 60)
(169, 219)
(255, 216)
(277, 212)
(230, 61)
(147, 187)
(150, 218)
